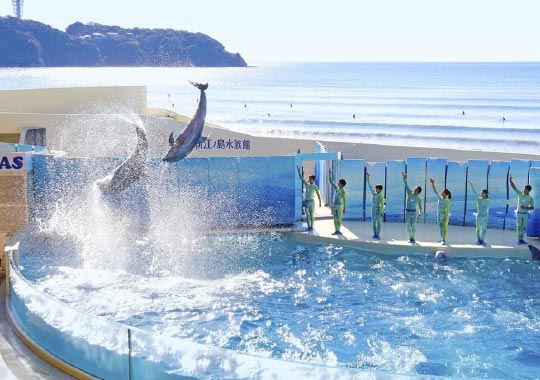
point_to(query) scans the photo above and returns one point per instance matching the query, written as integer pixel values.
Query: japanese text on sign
(224, 144)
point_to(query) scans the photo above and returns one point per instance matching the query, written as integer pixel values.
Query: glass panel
(94, 345)
(353, 172)
(378, 173)
(191, 172)
(533, 227)
(519, 169)
(43, 169)
(498, 193)
(252, 199)
(416, 176)
(280, 189)
(394, 210)
(456, 179)
(222, 190)
(477, 172)
(436, 169)
(167, 358)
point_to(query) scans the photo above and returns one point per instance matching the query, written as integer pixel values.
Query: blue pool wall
(252, 190)
(267, 190)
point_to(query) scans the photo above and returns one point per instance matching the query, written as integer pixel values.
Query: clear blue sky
(325, 30)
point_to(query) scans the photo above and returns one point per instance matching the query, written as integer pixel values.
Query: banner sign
(12, 163)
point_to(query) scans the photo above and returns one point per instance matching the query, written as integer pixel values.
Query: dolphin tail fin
(203, 139)
(200, 86)
(171, 139)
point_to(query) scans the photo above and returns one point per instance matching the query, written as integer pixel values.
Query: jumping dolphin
(130, 171)
(192, 133)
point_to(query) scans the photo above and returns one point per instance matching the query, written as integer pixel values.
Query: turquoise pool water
(268, 295)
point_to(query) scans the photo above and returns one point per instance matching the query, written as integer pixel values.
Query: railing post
(130, 370)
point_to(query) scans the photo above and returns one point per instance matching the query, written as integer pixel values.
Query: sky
(265, 31)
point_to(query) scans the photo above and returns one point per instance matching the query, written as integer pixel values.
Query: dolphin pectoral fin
(171, 139)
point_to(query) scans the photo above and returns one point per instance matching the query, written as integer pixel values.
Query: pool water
(269, 295)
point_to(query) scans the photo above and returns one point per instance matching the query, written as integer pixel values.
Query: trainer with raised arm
(482, 213)
(308, 203)
(413, 208)
(443, 210)
(340, 203)
(377, 207)
(525, 203)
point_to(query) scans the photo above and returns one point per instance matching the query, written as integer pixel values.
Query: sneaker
(310, 229)
(479, 242)
(443, 242)
(412, 241)
(376, 237)
(335, 233)
(521, 241)
(338, 233)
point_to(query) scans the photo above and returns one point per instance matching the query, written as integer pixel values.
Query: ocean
(477, 106)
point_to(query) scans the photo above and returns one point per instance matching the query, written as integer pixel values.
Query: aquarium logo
(12, 163)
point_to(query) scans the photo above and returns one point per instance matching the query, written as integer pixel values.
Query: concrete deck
(461, 241)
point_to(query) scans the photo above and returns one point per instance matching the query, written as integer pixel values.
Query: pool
(267, 295)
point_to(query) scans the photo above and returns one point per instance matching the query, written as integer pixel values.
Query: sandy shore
(381, 153)
(272, 146)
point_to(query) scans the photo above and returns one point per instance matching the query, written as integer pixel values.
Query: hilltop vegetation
(26, 43)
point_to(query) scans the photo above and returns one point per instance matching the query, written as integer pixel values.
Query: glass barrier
(261, 190)
(353, 172)
(497, 192)
(456, 179)
(93, 345)
(477, 172)
(394, 210)
(280, 184)
(251, 194)
(166, 358)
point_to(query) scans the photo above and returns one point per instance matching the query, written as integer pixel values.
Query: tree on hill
(31, 43)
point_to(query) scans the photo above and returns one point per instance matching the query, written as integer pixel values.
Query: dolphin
(440, 257)
(130, 171)
(192, 133)
(535, 252)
